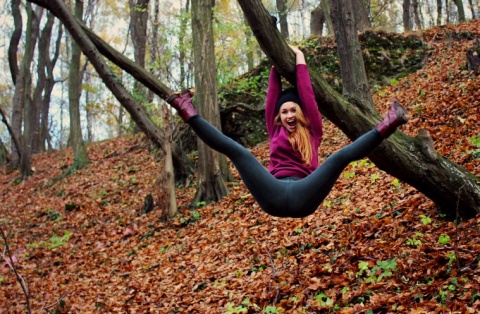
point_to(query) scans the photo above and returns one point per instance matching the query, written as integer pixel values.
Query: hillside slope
(375, 245)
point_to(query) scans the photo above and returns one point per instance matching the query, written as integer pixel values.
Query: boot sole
(402, 114)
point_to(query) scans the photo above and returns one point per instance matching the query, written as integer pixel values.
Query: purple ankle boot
(396, 116)
(182, 102)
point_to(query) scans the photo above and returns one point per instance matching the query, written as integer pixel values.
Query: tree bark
(17, 77)
(460, 10)
(166, 183)
(138, 23)
(31, 35)
(282, 16)
(439, 12)
(417, 14)
(211, 183)
(352, 67)
(41, 89)
(413, 160)
(407, 18)
(80, 156)
(361, 15)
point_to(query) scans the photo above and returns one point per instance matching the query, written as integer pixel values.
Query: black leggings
(288, 197)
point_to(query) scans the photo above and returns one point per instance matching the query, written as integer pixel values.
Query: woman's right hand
(299, 57)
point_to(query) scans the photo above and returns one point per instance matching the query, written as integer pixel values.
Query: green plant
(270, 309)
(452, 257)
(425, 219)
(377, 273)
(475, 141)
(201, 204)
(323, 299)
(348, 174)
(414, 241)
(56, 241)
(396, 183)
(443, 239)
(232, 309)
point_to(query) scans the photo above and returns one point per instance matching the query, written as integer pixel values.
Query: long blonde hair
(300, 138)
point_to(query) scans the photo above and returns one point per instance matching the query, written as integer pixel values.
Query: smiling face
(288, 116)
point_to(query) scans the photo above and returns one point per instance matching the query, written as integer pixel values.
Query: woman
(294, 185)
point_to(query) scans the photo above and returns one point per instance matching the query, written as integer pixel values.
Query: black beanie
(290, 94)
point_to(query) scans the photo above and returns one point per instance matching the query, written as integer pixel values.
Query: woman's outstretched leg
(265, 188)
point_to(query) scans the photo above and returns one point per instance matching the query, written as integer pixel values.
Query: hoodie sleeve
(309, 104)
(273, 93)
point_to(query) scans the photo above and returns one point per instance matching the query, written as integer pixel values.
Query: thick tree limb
(451, 187)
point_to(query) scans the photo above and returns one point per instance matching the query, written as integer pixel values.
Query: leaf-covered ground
(376, 245)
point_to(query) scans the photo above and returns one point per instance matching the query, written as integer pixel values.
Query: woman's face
(288, 116)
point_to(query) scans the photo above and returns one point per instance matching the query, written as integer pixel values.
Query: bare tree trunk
(317, 20)
(249, 43)
(74, 90)
(417, 14)
(3, 154)
(166, 182)
(352, 67)
(40, 88)
(183, 46)
(15, 140)
(211, 185)
(31, 34)
(361, 15)
(460, 10)
(17, 78)
(439, 12)
(138, 23)
(282, 16)
(412, 160)
(407, 18)
(44, 137)
(472, 9)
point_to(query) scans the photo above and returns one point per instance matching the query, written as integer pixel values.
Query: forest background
(363, 282)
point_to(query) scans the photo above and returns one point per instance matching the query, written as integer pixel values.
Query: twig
(10, 263)
(46, 307)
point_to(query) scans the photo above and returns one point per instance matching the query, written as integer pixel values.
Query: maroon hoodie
(284, 160)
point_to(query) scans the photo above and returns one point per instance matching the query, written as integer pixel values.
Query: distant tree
(138, 24)
(31, 35)
(361, 15)
(407, 18)
(282, 10)
(80, 158)
(45, 82)
(472, 9)
(439, 12)
(320, 16)
(417, 13)
(17, 74)
(3, 153)
(460, 10)
(352, 67)
(165, 186)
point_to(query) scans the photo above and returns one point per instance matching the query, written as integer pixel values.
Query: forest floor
(375, 245)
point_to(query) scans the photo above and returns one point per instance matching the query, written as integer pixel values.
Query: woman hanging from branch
(294, 185)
